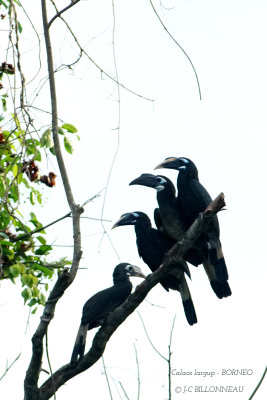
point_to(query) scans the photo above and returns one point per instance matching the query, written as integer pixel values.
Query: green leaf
(26, 183)
(41, 239)
(39, 197)
(38, 156)
(14, 192)
(32, 198)
(15, 270)
(32, 302)
(36, 223)
(60, 131)
(4, 104)
(19, 27)
(52, 149)
(4, 219)
(68, 145)
(6, 242)
(26, 294)
(4, 235)
(33, 216)
(20, 177)
(3, 3)
(70, 128)
(3, 188)
(44, 249)
(46, 271)
(26, 279)
(46, 139)
(42, 299)
(35, 292)
(15, 170)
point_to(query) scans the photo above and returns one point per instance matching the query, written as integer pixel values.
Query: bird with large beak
(193, 199)
(152, 245)
(102, 303)
(170, 218)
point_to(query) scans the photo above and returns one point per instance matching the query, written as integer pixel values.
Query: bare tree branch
(65, 278)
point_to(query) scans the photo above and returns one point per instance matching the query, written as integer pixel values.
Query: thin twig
(49, 363)
(258, 385)
(180, 47)
(169, 360)
(102, 71)
(73, 2)
(122, 387)
(117, 130)
(138, 373)
(8, 367)
(29, 234)
(147, 335)
(106, 376)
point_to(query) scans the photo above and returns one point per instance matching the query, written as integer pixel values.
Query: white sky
(224, 134)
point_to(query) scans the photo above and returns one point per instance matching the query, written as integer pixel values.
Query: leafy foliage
(24, 250)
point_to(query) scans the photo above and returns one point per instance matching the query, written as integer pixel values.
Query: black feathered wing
(94, 312)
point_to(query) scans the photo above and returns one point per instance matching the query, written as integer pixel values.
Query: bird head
(133, 270)
(123, 270)
(180, 164)
(157, 182)
(126, 219)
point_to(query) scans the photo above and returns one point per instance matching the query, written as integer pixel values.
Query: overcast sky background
(224, 134)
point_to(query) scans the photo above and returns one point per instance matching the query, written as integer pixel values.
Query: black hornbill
(98, 306)
(193, 199)
(152, 244)
(170, 217)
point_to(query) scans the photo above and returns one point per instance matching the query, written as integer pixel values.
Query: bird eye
(129, 268)
(184, 160)
(161, 180)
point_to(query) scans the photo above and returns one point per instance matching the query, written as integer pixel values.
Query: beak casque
(137, 272)
(144, 180)
(164, 164)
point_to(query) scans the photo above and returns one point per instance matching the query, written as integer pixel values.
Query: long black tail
(188, 305)
(216, 258)
(220, 287)
(79, 345)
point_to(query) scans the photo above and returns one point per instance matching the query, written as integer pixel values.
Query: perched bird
(98, 306)
(152, 245)
(170, 218)
(193, 199)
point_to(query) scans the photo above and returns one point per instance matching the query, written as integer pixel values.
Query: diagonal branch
(118, 316)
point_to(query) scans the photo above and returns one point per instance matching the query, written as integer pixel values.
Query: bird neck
(142, 225)
(166, 197)
(185, 176)
(123, 281)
